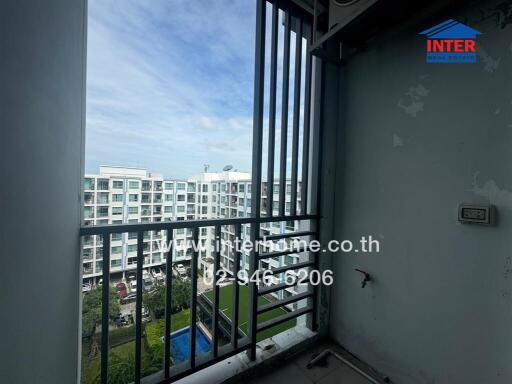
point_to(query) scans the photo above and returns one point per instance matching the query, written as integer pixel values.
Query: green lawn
(156, 329)
(91, 367)
(225, 305)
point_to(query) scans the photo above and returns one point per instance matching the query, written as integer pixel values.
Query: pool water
(180, 344)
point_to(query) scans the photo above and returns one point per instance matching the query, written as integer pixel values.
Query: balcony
(379, 142)
(88, 198)
(146, 186)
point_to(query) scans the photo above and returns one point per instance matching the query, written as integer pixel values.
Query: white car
(133, 285)
(86, 287)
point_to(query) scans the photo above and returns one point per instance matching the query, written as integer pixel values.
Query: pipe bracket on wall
(367, 278)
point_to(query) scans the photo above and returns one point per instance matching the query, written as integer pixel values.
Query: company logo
(451, 42)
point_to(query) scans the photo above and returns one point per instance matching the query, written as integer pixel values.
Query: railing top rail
(106, 229)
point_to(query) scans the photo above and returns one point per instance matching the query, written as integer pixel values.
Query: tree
(121, 369)
(91, 308)
(154, 301)
(180, 297)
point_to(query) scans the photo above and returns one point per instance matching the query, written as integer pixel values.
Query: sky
(170, 85)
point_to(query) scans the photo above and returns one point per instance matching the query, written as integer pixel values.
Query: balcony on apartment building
(380, 143)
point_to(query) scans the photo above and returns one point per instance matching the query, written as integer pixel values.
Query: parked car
(133, 285)
(158, 276)
(122, 320)
(86, 287)
(146, 317)
(131, 298)
(148, 284)
(122, 290)
(181, 271)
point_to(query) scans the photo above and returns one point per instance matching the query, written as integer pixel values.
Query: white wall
(41, 151)
(418, 139)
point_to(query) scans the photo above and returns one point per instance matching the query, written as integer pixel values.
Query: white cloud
(170, 84)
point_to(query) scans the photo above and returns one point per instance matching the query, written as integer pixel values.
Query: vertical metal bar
(138, 306)
(105, 292)
(272, 111)
(236, 292)
(306, 134)
(318, 92)
(215, 315)
(256, 166)
(296, 116)
(314, 313)
(284, 114)
(315, 7)
(193, 300)
(168, 299)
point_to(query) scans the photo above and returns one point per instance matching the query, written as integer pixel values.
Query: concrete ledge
(270, 353)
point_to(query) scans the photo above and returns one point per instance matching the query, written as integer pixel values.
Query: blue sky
(170, 84)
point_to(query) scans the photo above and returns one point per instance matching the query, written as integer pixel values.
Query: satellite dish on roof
(227, 168)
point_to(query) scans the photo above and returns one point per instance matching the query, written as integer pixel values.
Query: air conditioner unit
(342, 12)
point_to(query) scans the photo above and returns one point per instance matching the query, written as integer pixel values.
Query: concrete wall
(417, 139)
(41, 123)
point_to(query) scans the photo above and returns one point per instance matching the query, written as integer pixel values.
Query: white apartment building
(133, 195)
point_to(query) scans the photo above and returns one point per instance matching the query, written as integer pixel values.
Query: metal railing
(218, 352)
(299, 23)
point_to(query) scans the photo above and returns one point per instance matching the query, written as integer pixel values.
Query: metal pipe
(327, 352)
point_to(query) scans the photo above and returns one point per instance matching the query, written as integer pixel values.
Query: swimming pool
(180, 344)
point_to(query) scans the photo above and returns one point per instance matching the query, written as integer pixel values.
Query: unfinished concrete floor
(295, 370)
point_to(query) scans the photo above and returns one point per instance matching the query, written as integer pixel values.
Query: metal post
(105, 292)
(296, 116)
(168, 300)
(236, 291)
(215, 315)
(193, 302)
(256, 165)
(138, 306)
(284, 115)
(306, 134)
(272, 111)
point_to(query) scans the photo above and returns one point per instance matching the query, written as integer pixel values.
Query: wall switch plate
(476, 214)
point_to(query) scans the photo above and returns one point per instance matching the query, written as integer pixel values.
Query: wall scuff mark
(397, 141)
(502, 13)
(490, 64)
(413, 101)
(494, 194)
